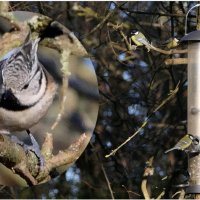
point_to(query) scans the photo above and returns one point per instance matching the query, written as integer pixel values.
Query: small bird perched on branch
(171, 43)
(189, 143)
(26, 88)
(139, 39)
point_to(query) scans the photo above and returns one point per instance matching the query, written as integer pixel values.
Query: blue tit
(172, 43)
(139, 39)
(188, 143)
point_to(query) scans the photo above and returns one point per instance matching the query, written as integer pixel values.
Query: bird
(171, 43)
(139, 39)
(27, 89)
(189, 143)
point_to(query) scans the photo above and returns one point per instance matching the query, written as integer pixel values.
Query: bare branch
(13, 156)
(166, 100)
(108, 182)
(103, 21)
(149, 171)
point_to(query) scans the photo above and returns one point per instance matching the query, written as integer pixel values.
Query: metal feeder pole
(193, 106)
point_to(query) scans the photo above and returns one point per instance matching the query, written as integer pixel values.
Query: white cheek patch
(33, 93)
(191, 137)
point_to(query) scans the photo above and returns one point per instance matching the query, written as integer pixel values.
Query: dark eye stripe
(10, 102)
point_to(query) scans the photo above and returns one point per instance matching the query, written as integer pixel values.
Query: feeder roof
(192, 36)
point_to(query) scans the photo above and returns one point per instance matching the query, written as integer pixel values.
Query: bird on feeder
(189, 143)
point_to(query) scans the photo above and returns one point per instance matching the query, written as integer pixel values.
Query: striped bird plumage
(25, 87)
(20, 67)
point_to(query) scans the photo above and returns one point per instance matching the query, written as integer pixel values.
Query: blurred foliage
(131, 85)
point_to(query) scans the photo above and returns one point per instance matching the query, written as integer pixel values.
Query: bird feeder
(193, 106)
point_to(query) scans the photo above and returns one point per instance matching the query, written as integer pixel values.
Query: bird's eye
(25, 86)
(134, 32)
(195, 141)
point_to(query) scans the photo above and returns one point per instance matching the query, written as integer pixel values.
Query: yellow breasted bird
(188, 143)
(172, 43)
(139, 39)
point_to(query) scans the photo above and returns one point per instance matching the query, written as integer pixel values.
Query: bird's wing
(144, 41)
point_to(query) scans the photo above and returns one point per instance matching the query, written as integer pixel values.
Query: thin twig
(118, 28)
(169, 52)
(170, 96)
(144, 189)
(127, 140)
(104, 19)
(149, 170)
(129, 191)
(65, 75)
(160, 195)
(157, 13)
(98, 156)
(108, 182)
(181, 192)
(110, 43)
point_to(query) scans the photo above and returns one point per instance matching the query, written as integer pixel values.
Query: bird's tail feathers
(172, 149)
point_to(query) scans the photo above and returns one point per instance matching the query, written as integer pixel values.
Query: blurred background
(131, 85)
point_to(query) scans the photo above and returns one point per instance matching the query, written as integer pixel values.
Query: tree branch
(12, 155)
